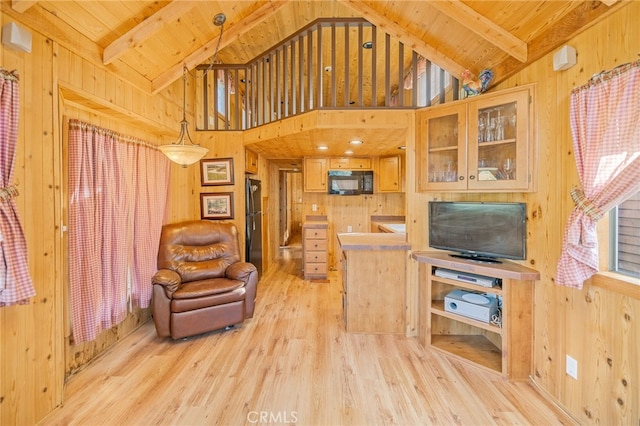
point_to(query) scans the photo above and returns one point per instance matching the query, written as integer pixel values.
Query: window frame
(613, 245)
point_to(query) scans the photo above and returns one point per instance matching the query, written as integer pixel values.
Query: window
(435, 84)
(625, 237)
(221, 97)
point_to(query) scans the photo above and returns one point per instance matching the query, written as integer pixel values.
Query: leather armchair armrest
(248, 273)
(240, 271)
(169, 279)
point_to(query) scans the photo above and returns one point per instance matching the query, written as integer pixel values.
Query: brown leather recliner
(201, 284)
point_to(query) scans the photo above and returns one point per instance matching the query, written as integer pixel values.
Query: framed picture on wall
(216, 205)
(216, 171)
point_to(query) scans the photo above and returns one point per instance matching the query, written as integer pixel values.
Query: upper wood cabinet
(350, 163)
(390, 174)
(250, 162)
(481, 144)
(315, 175)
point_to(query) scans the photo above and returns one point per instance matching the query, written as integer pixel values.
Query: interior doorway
(290, 224)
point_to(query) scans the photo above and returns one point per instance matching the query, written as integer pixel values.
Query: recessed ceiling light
(348, 152)
(355, 142)
(322, 147)
(402, 147)
(367, 45)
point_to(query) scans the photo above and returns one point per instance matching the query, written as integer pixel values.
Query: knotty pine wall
(58, 82)
(599, 325)
(354, 211)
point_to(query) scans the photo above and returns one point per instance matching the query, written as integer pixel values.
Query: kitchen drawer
(315, 234)
(314, 250)
(315, 256)
(313, 269)
(310, 245)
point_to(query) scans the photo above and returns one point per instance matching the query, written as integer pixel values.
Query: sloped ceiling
(147, 42)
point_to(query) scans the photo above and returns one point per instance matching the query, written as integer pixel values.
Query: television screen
(477, 230)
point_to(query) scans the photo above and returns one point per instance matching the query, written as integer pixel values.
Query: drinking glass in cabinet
(497, 123)
(482, 126)
(508, 168)
(446, 172)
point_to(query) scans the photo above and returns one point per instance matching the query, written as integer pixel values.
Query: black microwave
(350, 182)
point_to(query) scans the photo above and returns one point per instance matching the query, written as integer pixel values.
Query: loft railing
(329, 64)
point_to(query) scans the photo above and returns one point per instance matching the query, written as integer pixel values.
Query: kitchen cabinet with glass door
(485, 143)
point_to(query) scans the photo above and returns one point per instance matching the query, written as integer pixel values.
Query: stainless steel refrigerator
(254, 223)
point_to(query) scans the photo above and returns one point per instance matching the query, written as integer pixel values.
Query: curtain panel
(605, 126)
(16, 286)
(114, 225)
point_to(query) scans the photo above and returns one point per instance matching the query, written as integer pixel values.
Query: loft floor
(294, 362)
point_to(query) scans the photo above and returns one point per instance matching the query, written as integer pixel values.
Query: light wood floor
(291, 363)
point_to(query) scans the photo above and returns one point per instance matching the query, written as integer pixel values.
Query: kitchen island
(373, 282)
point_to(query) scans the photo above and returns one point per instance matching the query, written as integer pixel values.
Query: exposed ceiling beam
(483, 27)
(582, 17)
(408, 39)
(138, 34)
(51, 26)
(22, 5)
(255, 18)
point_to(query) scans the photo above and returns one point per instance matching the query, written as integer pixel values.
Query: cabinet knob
(472, 177)
(461, 178)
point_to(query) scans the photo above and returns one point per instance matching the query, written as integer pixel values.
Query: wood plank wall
(354, 211)
(31, 363)
(597, 326)
(36, 354)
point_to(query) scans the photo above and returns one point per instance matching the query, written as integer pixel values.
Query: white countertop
(399, 228)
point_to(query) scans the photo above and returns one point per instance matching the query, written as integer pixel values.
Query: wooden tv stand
(506, 350)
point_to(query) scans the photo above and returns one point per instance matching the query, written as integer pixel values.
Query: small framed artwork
(216, 171)
(216, 205)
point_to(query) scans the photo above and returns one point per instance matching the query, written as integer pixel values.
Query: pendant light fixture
(180, 152)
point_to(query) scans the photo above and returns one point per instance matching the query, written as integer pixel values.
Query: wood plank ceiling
(147, 42)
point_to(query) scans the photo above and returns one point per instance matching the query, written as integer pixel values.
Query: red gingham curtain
(605, 124)
(16, 286)
(105, 170)
(151, 197)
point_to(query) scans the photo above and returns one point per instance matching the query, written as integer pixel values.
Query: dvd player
(467, 277)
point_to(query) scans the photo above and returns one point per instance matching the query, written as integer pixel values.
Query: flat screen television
(480, 231)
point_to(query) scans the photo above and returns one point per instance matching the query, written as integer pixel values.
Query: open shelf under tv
(504, 349)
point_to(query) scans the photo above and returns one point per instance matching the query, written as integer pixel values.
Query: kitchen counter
(373, 241)
(398, 228)
(387, 223)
